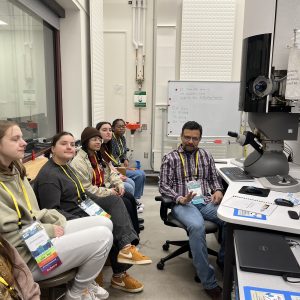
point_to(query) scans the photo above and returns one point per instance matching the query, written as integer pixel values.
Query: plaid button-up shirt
(173, 182)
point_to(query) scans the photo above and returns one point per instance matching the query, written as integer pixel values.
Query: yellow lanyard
(196, 163)
(3, 281)
(16, 203)
(111, 157)
(121, 151)
(76, 185)
(98, 169)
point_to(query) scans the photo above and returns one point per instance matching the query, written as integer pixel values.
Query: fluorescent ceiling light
(3, 23)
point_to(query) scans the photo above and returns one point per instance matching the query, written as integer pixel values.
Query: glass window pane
(27, 72)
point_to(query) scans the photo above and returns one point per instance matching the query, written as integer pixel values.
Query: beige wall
(119, 73)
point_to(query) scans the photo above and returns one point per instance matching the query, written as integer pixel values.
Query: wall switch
(145, 154)
(144, 126)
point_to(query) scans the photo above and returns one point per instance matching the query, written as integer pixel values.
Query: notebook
(266, 253)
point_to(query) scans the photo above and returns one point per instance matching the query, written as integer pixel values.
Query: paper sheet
(250, 204)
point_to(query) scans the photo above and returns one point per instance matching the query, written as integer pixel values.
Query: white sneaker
(95, 292)
(68, 296)
(139, 209)
(140, 204)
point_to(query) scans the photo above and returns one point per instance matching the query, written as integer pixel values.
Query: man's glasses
(188, 138)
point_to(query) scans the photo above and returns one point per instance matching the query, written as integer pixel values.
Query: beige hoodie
(9, 217)
(84, 169)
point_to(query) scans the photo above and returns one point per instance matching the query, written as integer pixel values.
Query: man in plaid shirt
(188, 176)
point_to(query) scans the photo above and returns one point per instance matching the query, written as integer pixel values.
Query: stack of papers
(251, 204)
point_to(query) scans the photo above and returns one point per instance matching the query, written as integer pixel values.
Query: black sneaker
(141, 220)
(215, 293)
(141, 227)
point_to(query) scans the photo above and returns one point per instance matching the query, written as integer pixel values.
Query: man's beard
(189, 148)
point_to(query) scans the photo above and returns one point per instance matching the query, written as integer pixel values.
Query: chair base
(184, 247)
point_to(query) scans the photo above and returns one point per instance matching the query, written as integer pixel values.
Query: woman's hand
(121, 191)
(123, 178)
(113, 191)
(58, 231)
(126, 163)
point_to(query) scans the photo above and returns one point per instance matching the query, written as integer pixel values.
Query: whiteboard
(213, 104)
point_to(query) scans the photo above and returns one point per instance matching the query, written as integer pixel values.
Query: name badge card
(93, 209)
(195, 187)
(41, 247)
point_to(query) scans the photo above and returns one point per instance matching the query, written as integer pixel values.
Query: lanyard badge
(84, 202)
(92, 208)
(35, 236)
(194, 186)
(41, 247)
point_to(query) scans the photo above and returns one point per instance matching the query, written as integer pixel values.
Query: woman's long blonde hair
(4, 126)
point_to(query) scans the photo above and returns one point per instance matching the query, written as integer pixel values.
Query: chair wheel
(160, 265)
(197, 279)
(166, 247)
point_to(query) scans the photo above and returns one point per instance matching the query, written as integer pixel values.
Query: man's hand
(216, 197)
(58, 231)
(188, 198)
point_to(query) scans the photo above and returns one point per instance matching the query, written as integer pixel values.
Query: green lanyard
(196, 162)
(76, 185)
(121, 150)
(16, 203)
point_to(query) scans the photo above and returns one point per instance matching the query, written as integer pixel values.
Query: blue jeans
(129, 186)
(192, 216)
(138, 176)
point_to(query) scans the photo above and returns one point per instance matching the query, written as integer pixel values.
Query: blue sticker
(198, 200)
(248, 214)
(252, 293)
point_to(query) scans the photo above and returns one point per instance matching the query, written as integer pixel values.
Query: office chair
(52, 283)
(165, 205)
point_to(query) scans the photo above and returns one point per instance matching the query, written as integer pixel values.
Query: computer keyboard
(236, 174)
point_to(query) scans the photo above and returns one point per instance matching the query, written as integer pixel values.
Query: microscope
(271, 117)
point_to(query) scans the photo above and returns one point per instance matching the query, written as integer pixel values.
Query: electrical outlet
(145, 154)
(144, 126)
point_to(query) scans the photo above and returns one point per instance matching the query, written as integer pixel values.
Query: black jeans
(131, 206)
(123, 231)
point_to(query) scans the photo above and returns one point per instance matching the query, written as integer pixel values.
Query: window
(27, 72)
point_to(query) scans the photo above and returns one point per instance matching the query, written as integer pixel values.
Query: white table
(277, 221)
(265, 281)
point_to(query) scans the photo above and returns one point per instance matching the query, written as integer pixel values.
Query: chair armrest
(165, 205)
(167, 202)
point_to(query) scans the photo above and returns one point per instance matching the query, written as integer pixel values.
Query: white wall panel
(165, 71)
(207, 39)
(97, 63)
(115, 70)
